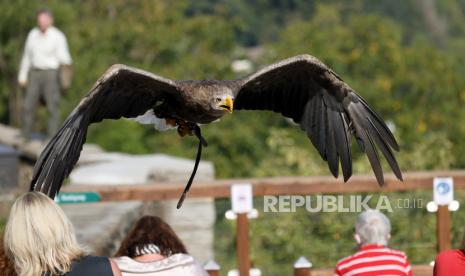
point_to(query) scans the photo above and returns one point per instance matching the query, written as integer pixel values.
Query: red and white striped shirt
(374, 260)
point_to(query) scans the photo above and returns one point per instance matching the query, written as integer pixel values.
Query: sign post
(242, 204)
(443, 225)
(243, 260)
(212, 268)
(443, 195)
(302, 267)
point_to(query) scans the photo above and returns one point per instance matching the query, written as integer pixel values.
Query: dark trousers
(42, 84)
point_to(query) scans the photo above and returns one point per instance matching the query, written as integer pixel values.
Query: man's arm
(25, 62)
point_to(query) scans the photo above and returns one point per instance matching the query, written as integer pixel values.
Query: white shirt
(44, 51)
(174, 265)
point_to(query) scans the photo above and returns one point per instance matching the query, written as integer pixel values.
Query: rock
(193, 223)
(138, 169)
(102, 226)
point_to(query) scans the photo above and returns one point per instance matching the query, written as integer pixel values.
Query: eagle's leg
(191, 129)
(184, 128)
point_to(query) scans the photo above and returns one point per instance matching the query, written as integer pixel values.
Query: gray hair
(373, 227)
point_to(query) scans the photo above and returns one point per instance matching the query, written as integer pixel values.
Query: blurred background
(405, 57)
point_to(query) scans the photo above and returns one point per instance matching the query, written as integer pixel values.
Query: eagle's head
(223, 102)
(222, 99)
(215, 97)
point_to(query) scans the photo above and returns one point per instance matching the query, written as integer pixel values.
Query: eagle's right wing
(122, 91)
(325, 107)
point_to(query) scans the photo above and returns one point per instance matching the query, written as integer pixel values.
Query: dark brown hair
(151, 230)
(7, 266)
(44, 11)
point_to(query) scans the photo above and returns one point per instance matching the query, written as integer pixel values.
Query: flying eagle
(301, 88)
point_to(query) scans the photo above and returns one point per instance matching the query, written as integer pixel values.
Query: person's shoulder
(372, 253)
(179, 259)
(449, 254)
(123, 260)
(189, 264)
(34, 31)
(345, 260)
(94, 260)
(175, 263)
(56, 31)
(90, 265)
(396, 251)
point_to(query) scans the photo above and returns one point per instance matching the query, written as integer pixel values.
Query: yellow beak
(228, 104)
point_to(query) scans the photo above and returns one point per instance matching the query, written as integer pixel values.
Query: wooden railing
(270, 186)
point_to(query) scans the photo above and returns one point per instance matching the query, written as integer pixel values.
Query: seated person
(40, 240)
(372, 232)
(450, 262)
(152, 248)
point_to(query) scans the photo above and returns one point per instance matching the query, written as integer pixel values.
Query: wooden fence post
(212, 268)
(243, 261)
(443, 225)
(302, 267)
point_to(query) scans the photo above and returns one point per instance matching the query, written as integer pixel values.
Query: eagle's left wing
(325, 107)
(122, 91)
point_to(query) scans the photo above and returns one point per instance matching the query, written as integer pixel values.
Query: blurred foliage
(388, 51)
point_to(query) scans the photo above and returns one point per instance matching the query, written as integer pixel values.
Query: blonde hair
(39, 237)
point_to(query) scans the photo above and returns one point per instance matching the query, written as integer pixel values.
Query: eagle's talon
(183, 131)
(186, 128)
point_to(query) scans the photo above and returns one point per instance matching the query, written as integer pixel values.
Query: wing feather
(343, 145)
(373, 157)
(325, 107)
(122, 91)
(331, 149)
(385, 149)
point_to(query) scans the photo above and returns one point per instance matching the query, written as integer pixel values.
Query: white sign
(443, 193)
(241, 198)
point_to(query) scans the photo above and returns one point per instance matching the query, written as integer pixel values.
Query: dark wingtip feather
(331, 146)
(384, 147)
(371, 131)
(383, 129)
(59, 156)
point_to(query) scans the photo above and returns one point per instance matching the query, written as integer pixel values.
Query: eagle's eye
(218, 100)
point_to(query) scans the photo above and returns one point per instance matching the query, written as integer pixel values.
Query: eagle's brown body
(193, 106)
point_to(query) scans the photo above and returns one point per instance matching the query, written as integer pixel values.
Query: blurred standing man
(45, 50)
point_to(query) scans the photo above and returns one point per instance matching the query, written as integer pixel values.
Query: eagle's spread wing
(121, 92)
(325, 107)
